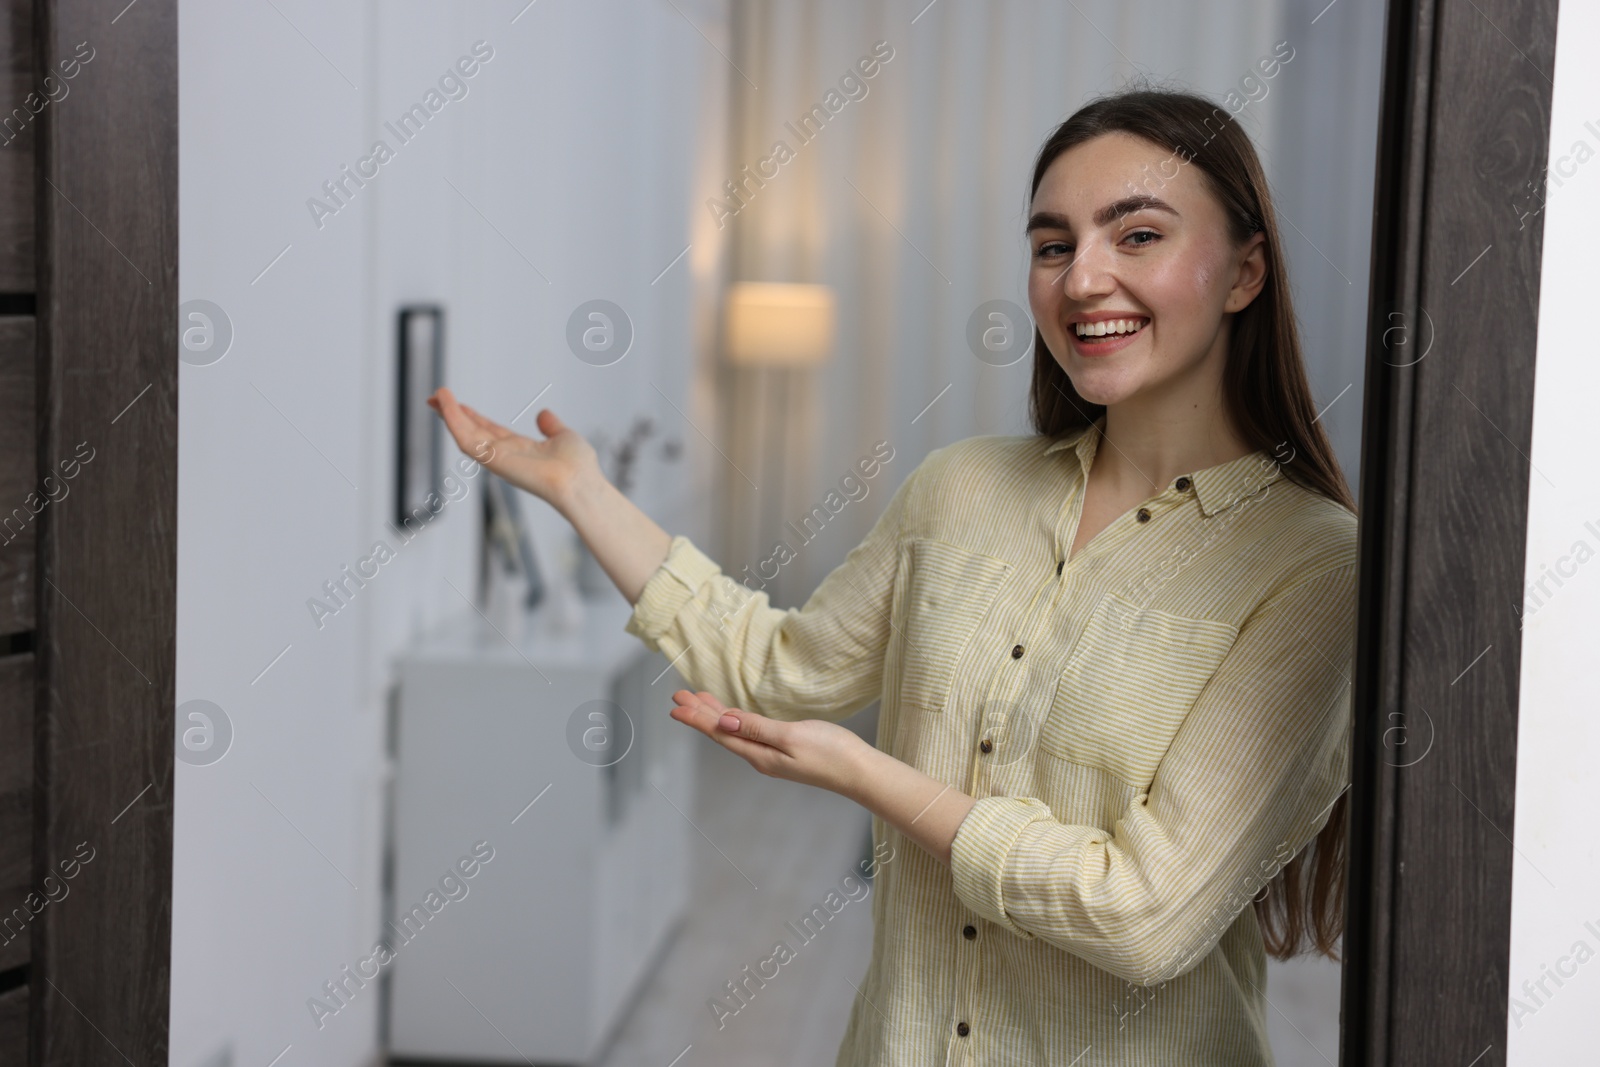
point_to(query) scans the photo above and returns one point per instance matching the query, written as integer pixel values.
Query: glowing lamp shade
(778, 325)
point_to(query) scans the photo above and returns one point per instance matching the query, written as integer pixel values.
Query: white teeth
(1108, 326)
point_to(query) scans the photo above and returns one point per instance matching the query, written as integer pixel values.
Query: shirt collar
(1217, 488)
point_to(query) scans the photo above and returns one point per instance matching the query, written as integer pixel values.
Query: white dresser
(554, 935)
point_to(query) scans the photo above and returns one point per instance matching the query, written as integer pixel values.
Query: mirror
(801, 240)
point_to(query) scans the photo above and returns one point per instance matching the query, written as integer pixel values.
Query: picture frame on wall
(419, 369)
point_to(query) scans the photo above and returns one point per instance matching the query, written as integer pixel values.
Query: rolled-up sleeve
(1248, 781)
(821, 661)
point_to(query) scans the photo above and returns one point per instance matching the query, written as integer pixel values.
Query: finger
(750, 725)
(474, 434)
(549, 423)
(488, 428)
(692, 712)
(471, 439)
(746, 724)
(444, 402)
(697, 715)
(487, 424)
(730, 720)
(704, 714)
(689, 696)
(711, 712)
(454, 411)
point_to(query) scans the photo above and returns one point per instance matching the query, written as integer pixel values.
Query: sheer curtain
(910, 201)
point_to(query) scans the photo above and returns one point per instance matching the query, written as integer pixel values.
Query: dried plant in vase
(618, 460)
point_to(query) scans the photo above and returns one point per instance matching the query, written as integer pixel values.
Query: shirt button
(1144, 515)
(985, 745)
(1016, 652)
(969, 931)
(1059, 564)
(1182, 483)
(963, 1029)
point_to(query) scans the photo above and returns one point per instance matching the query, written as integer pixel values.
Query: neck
(1147, 445)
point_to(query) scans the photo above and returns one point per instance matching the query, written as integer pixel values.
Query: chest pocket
(1132, 679)
(948, 592)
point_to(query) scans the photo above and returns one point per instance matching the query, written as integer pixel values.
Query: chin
(1099, 388)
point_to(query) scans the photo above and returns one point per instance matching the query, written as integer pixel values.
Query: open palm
(808, 751)
(547, 469)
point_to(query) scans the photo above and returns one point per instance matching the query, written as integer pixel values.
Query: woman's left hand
(809, 751)
(827, 755)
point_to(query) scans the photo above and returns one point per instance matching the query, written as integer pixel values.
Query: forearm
(626, 542)
(923, 808)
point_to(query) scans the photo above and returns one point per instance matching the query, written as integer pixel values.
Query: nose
(1089, 275)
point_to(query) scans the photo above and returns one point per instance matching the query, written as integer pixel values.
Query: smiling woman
(1218, 354)
(1111, 656)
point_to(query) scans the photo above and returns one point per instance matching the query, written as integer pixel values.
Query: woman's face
(1123, 229)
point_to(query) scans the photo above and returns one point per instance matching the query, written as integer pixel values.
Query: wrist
(862, 768)
(582, 494)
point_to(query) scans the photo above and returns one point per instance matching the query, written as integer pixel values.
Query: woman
(1112, 656)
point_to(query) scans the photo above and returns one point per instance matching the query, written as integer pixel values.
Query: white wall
(578, 141)
(1555, 907)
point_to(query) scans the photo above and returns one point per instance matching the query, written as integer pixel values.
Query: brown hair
(1265, 394)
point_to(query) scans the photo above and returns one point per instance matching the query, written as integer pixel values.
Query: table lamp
(773, 324)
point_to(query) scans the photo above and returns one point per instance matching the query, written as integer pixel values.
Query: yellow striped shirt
(1152, 728)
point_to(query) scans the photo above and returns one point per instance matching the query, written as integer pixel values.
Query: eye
(1053, 248)
(1153, 235)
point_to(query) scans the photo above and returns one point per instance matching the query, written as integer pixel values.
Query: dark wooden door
(1464, 135)
(19, 500)
(88, 528)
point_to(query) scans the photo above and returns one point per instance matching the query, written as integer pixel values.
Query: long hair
(1265, 394)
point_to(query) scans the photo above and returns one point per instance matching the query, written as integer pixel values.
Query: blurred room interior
(584, 207)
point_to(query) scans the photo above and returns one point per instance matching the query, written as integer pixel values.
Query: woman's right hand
(548, 469)
(564, 471)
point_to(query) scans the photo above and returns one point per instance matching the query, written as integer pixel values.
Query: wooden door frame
(106, 199)
(1463, 139)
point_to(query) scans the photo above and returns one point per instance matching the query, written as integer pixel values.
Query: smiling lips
(1106, 335)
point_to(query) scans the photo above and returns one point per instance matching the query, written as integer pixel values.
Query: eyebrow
(1049, 220)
